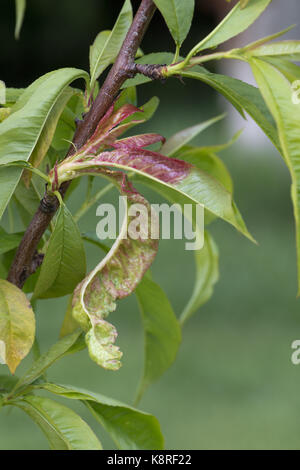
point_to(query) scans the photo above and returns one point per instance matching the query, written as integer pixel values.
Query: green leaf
(62, 348)
(19, 133)
(13, 94)
(161, 330)
(20, 11)
(9, 241)
(277, 93)
(66, 125)
(177, 141)
(178, 15)
(208, 162)
(129, 155)
(237, 21)
(219, 148)
(264, 40)
(161, 58)
(128, 427)
(69, 324)
(284, 49)
(27, 199)
(108, 43)
(288, 69)
(17, 325)
(242, 96)
(48, 132)
(7, 382)
(64, 265)
(207, 274)
(63, 428)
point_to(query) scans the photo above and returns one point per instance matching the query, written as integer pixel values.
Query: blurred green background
(233, 385)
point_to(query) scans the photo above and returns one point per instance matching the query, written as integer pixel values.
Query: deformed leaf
(161, 330)
(244, 3)
(17, 325)
(69, 324)
(64, 264)
(45, 139)
(116, 276)
(63, 428)
(129, 428)
(9, 241)
(207, 161)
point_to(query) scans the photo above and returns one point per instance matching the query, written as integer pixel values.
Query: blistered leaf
(178, 175)
(116, 276)
(64, 265)
(207, 274)
(20, 132)
(108, 43)
(63, 347)
(178, 15)
(161, 331)
(237, 21)
(17, 325)
(20, 11)
(128, 427)
(278, 94)
(177, 141)
(63, 428)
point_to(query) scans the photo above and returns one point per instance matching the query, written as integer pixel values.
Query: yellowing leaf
(17, 325)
